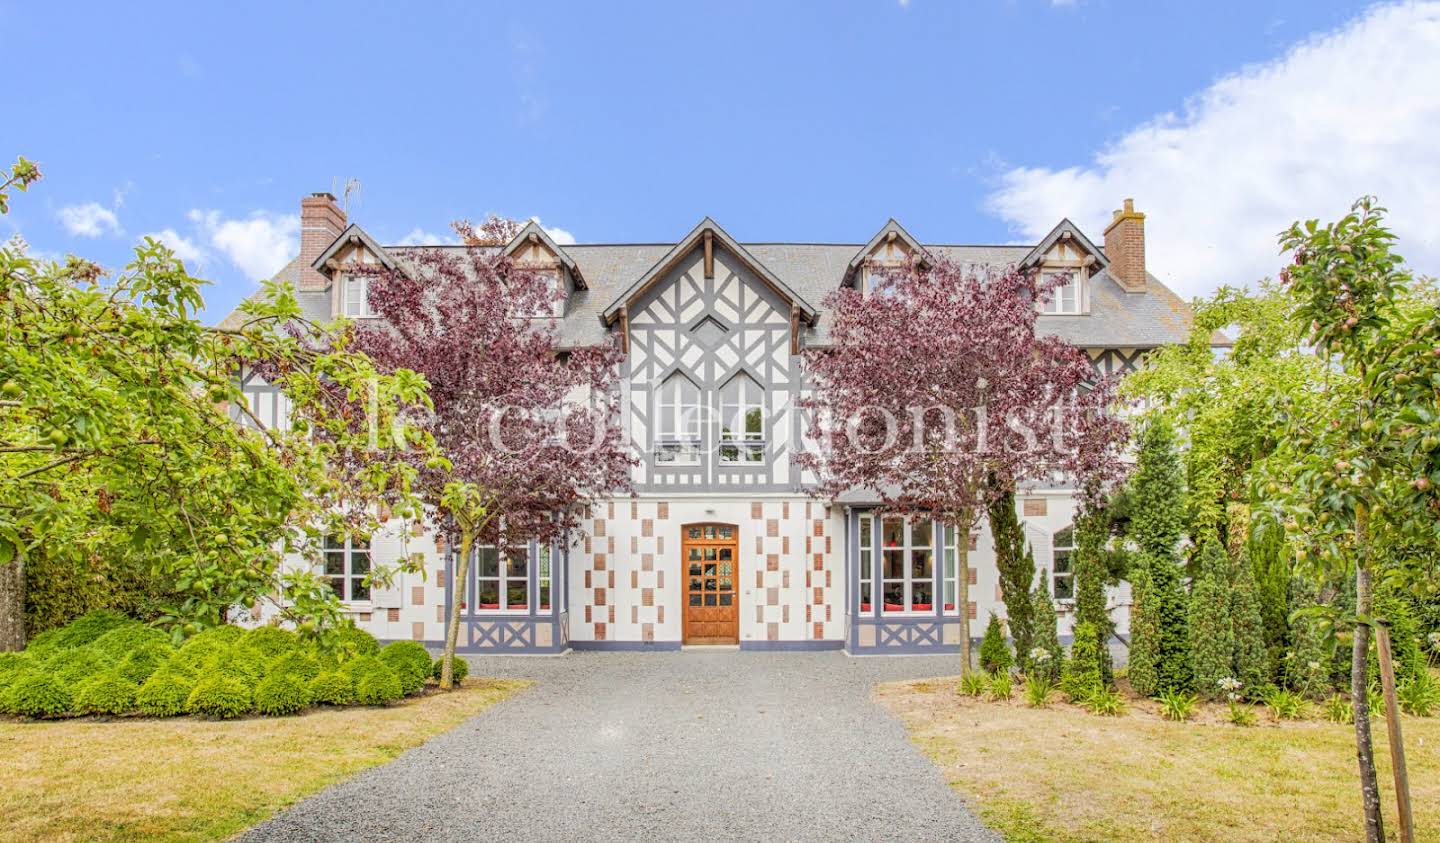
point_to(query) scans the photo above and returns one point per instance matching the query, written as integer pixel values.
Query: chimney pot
(1125, 248)
(321, 221)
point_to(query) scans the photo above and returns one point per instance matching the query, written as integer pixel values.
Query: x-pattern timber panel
(711, 608)
(710, 330)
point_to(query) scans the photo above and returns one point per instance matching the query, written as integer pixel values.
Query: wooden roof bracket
(794, 330)
(624, 329)
(709, 253)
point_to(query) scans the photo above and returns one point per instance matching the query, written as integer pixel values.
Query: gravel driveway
(695, 745)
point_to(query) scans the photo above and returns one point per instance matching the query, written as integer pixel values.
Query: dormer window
(677, 428)
(1064, 300)
(742, 421)
(554, 304)
(356, 301)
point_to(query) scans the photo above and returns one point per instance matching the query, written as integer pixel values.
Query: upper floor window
(554, 303)
(677, 428)
(347, 567)
(1063, 576)
(742, 421)
(356, 292)
(1064, 299)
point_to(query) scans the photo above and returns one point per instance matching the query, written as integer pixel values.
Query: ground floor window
(867, 563)
(543, 577)
(907, 564)
(949, 579)
(1063, 576)
(347, 567)
(503, 579)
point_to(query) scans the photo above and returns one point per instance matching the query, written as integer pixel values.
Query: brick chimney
(321, 221)
(1125, 248)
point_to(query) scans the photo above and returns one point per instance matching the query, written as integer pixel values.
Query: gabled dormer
(890, 249)
(534, 250)
(350, 292)
(1066, 250)
(709, 236)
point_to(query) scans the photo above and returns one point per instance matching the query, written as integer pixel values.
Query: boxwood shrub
(165, 694)
(84, 630)
(380, 686)
(411, 663)
(139, 664)
(281, 693)
(75, 666)
(220, 695)
(458, 671)
(270, 641)
(354, 642)
(298, 663)
(124, 640)
(37, 693)
(332, 688)
(108, 693)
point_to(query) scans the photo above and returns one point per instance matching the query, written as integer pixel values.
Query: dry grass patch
(186, 779)
(1063, 774)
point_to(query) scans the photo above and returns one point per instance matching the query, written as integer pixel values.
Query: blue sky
(972, 122)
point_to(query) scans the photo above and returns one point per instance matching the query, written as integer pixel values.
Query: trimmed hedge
(378, 687)
(140, 664)
(124, 640)
(281, 694)
(332, 688)
(221, 696)
(110, 693)
(37, 694)
(86, 629)
(76, 666)
(270, 641)
(458, 670)
(411, 663)
(354, 642)
(297, 663)
(165, 694)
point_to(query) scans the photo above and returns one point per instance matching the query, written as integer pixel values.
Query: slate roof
(1154, 317)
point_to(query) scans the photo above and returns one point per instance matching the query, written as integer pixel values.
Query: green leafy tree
(1158, 646)
(1016, 563)
(1212, 640)
(1250, 658)
(1045, 658)
(117, 441)
(1358, 466)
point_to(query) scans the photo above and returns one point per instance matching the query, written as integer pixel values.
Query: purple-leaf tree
(529, 433)
(937, 395)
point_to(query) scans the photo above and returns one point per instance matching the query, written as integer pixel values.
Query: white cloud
(420, 237)
(89, 219)
(559, 235)
(260, 244)
(185, 248)
(1062, 2)
(1343, 114)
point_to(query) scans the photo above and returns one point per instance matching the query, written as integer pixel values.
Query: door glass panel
(709, 600)
(724, 569)
(709, 585)
(727, 532)
(709, 532)
(694, 583)
(726, 598)
(695, 599)
(694, 532)
(709, 553)
(695, 553)
(694, 570)
(726, 554)
(726, 585)
(710, 570)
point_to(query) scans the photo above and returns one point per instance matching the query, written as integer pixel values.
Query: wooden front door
(712, 598)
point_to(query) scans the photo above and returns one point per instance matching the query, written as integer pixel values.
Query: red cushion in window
(923, 607)
(949, 607)
(894, 607)
(489, 605)
(544, 607)
(864, 607)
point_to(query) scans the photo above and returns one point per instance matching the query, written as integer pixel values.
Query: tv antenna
(352, 185)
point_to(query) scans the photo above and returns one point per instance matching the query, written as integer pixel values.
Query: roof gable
(352, 235)
(1065, 231)
(533, 234)
(690, 241)
(889, 235)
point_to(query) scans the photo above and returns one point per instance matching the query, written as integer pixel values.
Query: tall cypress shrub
(1092, 531)
(1308, 663)
(1017, 573)
(1047, 634)
(1271, 568)
(1250, 658)
(1212, 641)
(1158, 646)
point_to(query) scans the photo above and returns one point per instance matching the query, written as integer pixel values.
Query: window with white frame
(742, 421)
(677, 426)
(1064, 299)
(907, 564)
(542, 577)
(503, 580)
(1063, 575)
(867, 563)
(356, 292)
(949, 576)
(553, 304)
(347, 567)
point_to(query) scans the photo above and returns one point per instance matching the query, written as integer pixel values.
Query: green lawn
(1064, 774)
(186, 779)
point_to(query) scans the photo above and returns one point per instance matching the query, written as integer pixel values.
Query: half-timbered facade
(723, 541)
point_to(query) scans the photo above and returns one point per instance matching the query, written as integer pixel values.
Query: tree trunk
(12, 605)
(457, 595)
(1359, 675)
(962, 577)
